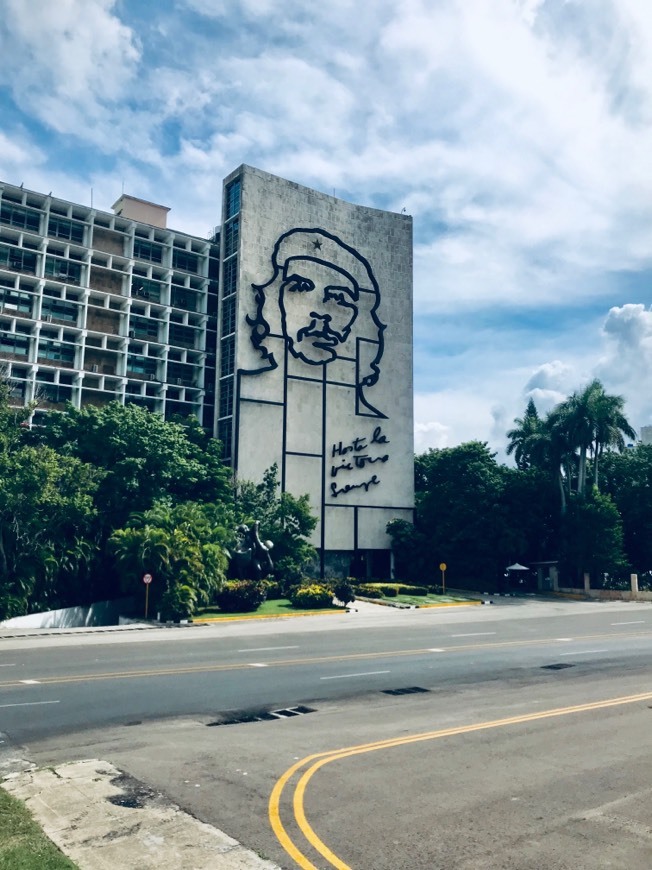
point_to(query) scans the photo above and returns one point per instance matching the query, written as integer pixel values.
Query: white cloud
(67, 60)
(516, 132)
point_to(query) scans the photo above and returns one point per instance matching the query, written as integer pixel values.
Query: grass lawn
(23, 845)
(276, 607)
(428, 599)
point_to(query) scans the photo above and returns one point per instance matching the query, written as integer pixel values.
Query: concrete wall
(335, 414)
(99, 613)
(608, 594)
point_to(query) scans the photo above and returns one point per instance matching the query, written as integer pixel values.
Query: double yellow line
(313, 763)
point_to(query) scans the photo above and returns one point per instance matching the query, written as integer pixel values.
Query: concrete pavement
(102, 819)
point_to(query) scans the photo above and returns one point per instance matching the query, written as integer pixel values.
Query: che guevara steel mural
(324, 298)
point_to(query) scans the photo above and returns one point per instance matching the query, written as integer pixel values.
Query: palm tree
(589, 422)
(611, 427)
(543, 444)
(523, 436)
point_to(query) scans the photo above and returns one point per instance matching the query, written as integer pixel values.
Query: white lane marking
(474, 634)
(257, 665)
(435, 649)
(583, 652)
(635, 622)
(30, 703)
(348, 676)
(565, 639)
(267, 648)
(30, 682)
(8, 666)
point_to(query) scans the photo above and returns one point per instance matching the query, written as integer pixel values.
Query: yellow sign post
(442, 568)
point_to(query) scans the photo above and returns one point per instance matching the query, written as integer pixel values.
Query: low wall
(607, 594)
(99, 613)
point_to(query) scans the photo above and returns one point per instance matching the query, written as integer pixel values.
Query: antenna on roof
(91, 197)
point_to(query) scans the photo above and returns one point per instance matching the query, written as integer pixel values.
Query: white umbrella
(516, 567)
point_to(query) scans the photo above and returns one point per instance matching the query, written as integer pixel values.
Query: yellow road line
(319, 760)
(195, 669)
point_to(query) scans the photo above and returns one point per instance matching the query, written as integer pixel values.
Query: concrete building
(97, 307)
(288, 334)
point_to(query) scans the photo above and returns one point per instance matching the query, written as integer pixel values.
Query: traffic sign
(147, 579)
(442, 567)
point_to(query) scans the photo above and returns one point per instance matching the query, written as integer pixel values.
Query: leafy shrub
(366, 590)
(315, 595)
(343, 591)
(389, 591)
(178, 602)
(275, 589)
(241, 596)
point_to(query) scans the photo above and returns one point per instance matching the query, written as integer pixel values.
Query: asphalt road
(504, 761)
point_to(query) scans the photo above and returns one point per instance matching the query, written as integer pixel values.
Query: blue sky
(518, 134)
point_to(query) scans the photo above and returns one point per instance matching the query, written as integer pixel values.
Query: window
(225, 435)
(143, 327)
(57, 351)
(227, 360)
(228, 316)
(145, 289)
(141, 365)
(230, 277)
(17, 216)
(14, 344)
(226, 397)
(184, 298)
(148, 251)
(180, 372)
(231, 237)
(232, 199)
(62, 228)
(18, 259)
(59, 311)
(182, 335)
(10, 301)
(185, 260)
(62, 270)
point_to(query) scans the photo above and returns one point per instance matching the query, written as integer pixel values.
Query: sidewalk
(102, 818)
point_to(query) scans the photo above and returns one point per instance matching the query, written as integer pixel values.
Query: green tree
(592, 537)
(461, 515)
(144, 456)
(286, 520)
(590, 422)
(627, 479)
(47, 529)
(182, 545)
(525, 438)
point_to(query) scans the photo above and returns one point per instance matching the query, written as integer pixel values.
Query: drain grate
(410, 690)
(264, 716)
(557, 667)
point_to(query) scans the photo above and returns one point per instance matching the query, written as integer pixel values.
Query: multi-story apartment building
(97, 306)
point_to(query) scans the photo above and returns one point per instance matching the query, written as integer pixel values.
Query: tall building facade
(97, 306)
(288, 334)
(316, 358)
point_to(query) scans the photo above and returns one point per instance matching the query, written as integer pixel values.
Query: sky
(517, 133)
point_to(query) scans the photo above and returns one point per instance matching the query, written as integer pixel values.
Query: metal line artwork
(323, 287)
(319, 308)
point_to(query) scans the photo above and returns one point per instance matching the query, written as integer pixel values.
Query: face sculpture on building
(324, 296)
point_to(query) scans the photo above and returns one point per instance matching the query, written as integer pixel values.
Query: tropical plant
(285, 520)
